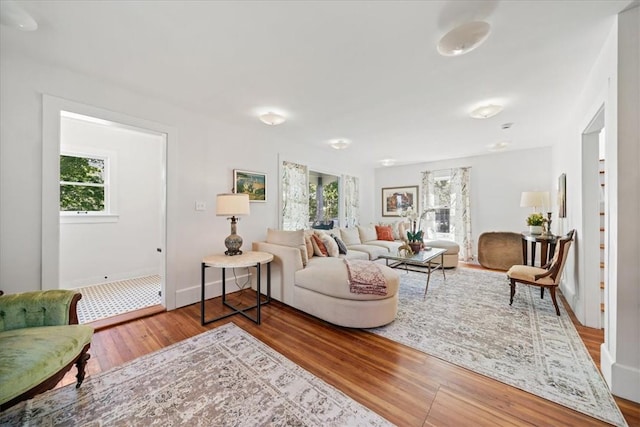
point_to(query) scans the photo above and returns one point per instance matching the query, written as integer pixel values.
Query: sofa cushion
(289, 238)
(392, 247)
(350, 236)
(384, 232)
(355, 255)
(329, 276)
(367, 233)
(452, 247)
(374, 251)
(31, 355)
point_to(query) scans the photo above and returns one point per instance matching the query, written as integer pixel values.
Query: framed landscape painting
(252, 183)
(397, 199)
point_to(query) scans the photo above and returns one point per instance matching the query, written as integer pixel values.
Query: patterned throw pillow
(384, 232)
(319, 248)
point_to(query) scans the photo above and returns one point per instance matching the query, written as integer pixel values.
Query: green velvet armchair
(40, 340)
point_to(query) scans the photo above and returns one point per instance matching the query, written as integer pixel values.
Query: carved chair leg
(541, 292)
(81, 364)
(513, 291)
(552, 291)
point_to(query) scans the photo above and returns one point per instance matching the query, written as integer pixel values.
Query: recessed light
(388, 162)
(464, 38)
(339, 144)
(486, 111)
(271, 119)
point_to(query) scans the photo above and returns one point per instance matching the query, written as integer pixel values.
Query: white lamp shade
(232, 204)
(534, 199)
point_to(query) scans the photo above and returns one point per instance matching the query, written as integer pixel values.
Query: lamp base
(233, 243)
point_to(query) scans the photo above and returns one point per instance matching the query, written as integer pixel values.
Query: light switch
(201, 206)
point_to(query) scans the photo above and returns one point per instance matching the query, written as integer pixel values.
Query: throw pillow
(331, 245)
(319, 248)
(394, 228)
(342, 248)
(367, 233)
(309, 245)
(350, 236)
(384, 232)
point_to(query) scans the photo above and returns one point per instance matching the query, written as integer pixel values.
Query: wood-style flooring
(406, 386)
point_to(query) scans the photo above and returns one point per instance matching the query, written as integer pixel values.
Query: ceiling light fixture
(14, 16)
(499, 146)
(340, 144)
(486, 111)
(388, 162)
(272, 119)
(463, 39)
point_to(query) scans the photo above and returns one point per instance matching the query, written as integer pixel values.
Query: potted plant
(535, 221)
(415, 239)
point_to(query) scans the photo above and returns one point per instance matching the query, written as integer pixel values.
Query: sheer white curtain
(449, 188)
(351, 201)
(295, 196)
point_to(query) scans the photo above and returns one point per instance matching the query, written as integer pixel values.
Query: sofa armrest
(286, 261)
(38, 308)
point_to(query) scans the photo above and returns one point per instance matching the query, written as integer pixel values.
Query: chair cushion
(526, 273)
(29, 356)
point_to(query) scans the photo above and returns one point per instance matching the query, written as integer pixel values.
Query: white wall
(201, 156)
(119, 247)
(613, 82)
(497, 181)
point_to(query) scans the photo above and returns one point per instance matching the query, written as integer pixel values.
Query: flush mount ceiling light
(486, 111)
(339, 144)
(464, 38)
(499, 146)
(272, 119)
(388, 162)
(14, 16)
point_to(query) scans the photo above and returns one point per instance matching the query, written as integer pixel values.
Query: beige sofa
(365, 239)
(320, 285)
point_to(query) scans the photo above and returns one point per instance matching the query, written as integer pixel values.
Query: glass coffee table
(430, 259)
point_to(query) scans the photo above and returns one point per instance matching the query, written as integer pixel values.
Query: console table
(246, 259)
(547, 246)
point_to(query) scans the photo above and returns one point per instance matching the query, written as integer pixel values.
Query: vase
(535, 229)
(415, 246)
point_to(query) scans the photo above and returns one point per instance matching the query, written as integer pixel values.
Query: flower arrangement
(414, 235)
(535, 219)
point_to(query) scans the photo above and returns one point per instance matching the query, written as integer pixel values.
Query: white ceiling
(367, 71)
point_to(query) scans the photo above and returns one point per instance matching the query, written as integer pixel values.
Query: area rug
(223, 377)
(467, 320)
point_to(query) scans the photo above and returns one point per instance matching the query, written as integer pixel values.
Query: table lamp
(535, 199)
(232, 204)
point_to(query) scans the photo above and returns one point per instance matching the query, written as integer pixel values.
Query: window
(83, 184)
(323, 199)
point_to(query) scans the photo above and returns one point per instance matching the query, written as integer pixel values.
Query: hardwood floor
(406, 386)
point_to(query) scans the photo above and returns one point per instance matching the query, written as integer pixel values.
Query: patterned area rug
(222, 377)
(111, 299)
(467, 320)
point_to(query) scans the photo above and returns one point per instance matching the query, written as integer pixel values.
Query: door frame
(51, 113)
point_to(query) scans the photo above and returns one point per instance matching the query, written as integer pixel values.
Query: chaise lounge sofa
(319, 284)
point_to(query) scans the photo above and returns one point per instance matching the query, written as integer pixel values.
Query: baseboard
(99, 280)
(623, 381)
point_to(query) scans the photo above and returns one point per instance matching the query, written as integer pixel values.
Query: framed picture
(562, 196)
(252, 183)
(396, 199)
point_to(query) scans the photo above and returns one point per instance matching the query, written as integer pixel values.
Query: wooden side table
(247, 259)
(547, 246)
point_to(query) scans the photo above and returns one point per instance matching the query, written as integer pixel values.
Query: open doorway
(104, 208)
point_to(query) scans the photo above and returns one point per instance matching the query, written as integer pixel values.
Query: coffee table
(426, 258)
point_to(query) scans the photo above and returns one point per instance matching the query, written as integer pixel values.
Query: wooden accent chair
(546, 277)
(40, 341)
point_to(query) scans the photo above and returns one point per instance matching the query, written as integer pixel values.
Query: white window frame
(109, 214)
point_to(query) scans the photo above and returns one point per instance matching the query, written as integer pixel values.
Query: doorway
(112, 237)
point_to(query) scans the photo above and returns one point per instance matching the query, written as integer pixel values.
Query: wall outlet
(201, 206)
